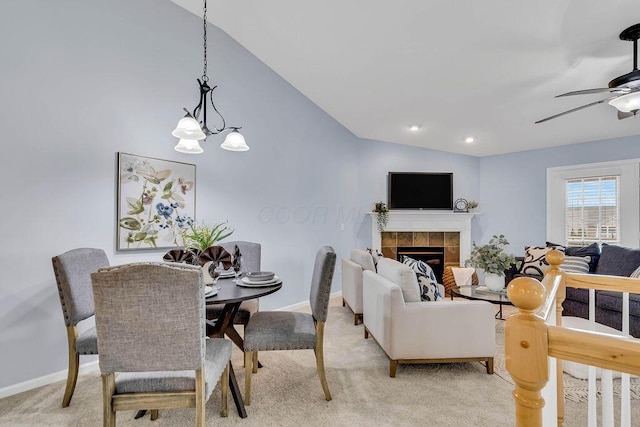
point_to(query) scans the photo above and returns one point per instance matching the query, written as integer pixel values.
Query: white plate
(258, 285)
(246, 281)
(227, 274)
(209, 291)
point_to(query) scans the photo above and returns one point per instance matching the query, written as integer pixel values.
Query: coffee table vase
(494, 282)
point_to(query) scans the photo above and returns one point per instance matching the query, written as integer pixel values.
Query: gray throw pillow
(618, 260)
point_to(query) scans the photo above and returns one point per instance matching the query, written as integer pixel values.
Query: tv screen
(420, 190)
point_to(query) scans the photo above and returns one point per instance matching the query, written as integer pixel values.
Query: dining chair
(151, 337)
(251, 257)
(73, 276)
(292, 330)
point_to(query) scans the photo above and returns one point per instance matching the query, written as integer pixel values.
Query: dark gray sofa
(611, 260)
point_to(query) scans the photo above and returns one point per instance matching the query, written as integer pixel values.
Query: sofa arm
(352, 285)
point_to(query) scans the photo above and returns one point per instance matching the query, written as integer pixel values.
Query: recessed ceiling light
(469, 139)
(414, 128)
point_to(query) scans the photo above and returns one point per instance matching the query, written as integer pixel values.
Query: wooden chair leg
(74, 363)
(490, 365)
(200, 401)
(320, 359)
(366, 333)
(154, 414)
(108, 388)
(355, 319)
(248, 357)
(343, 302)
(224, 391)
(392, 368)
(255, 362)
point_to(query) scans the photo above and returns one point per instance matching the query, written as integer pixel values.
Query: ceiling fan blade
(576, 109)
(619, 90)
(622, 115)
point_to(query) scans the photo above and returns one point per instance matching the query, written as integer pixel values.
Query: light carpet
(287, 392)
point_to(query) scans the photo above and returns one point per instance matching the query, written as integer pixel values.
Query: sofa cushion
(535, 262)
(618, 260)
(402, 276)
(636, 273)
(610, 300)
(429, 289)
(363, 259)
(576, 264)
(580, 295)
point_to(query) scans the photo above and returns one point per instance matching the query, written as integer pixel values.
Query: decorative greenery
(201, 236)
(472, 204)
(383, 215)
(491, 257)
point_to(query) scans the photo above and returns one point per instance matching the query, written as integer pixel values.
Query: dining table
(231, 293)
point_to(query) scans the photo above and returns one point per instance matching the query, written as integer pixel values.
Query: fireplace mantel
(427, 221)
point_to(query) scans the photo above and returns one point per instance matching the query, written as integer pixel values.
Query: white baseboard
(45, 380)
(93, 366)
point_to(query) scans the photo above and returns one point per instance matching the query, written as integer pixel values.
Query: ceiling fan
(624, 90)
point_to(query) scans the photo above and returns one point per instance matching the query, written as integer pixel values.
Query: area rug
(575, 389)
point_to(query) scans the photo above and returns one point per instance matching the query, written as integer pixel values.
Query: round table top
(230, 292)
(471, 292)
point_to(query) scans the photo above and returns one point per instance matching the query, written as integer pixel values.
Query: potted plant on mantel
(493, 260)
(382, 215)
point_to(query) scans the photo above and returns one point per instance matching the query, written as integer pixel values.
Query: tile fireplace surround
(425, 228)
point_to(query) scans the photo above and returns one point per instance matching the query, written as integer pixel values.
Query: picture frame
(155, 199)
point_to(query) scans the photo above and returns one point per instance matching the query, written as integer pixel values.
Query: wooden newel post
(526, 349)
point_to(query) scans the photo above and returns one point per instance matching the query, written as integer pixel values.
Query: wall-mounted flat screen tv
(420, 190)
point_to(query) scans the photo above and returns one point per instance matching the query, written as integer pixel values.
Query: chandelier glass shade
(193, 127)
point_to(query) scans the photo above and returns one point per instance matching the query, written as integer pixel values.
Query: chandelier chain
(204, 44)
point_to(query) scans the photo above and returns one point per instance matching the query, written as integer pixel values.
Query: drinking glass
(237, 264)
(215, 269)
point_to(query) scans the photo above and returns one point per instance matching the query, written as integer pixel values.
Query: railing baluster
(606, 382)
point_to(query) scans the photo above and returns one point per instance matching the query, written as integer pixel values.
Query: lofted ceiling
(486, 69)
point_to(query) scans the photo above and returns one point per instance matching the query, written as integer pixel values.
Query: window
(591, 210)
(596, 202)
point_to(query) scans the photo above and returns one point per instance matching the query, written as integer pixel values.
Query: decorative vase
(494, 282)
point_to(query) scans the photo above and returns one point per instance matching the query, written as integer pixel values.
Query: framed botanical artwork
(156, 199)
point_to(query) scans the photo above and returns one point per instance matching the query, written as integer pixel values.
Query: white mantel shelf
(412, 221)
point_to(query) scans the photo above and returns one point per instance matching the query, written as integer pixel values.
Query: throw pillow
(636, 273)
(402, 276)
(593, 251)
(429, 289)
(375, 255)
(534, 259)
(576, 264)
(618, 260)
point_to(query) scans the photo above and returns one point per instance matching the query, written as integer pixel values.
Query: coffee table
(472, 293)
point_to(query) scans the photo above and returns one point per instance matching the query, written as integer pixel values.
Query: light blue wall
(513, 189)
(83, 80)
(377, 159)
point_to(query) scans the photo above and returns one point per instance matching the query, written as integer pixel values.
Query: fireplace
(432, 255)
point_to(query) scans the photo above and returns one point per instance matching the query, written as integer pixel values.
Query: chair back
(251, 254)
(321, 282)
(73, 276)
(149, 317)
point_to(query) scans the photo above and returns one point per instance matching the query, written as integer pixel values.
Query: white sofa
(352, 269)
(413, 331)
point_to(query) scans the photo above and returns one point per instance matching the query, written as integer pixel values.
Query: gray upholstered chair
(73, 275)
(151, 333)
(290, 330)
(251, 255)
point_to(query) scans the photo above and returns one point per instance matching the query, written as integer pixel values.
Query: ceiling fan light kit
(624, 90)
(190, 129)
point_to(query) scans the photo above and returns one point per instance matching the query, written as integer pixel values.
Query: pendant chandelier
(191, 129)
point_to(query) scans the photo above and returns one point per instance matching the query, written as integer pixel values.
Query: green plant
(491, 257)
(201, 236)
(382, 216)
